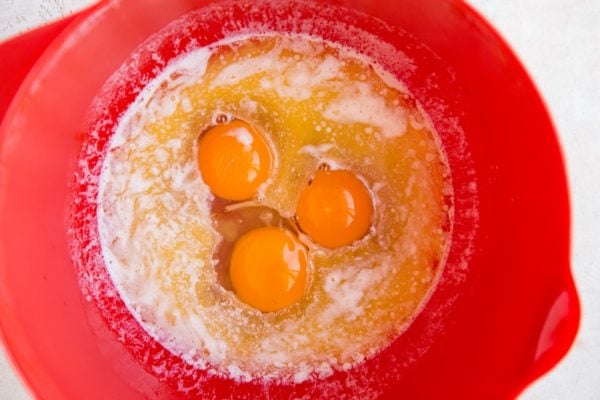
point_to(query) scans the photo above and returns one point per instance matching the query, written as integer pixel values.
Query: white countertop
(558, 41)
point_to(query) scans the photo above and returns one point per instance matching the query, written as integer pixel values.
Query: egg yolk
(269, 268)
(335, 209)
(234, 159)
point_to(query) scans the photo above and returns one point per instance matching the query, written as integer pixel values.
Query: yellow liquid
(316, 103)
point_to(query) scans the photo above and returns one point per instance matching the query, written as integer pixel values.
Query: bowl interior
(505, 310)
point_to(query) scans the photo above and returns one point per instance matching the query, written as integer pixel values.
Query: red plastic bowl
(505, 311)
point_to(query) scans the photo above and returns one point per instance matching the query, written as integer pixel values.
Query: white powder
(295, 80)
(243, 137)
(319, 151)
(359, 104)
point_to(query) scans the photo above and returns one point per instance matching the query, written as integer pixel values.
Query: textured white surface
(557, 40)
(19, 15)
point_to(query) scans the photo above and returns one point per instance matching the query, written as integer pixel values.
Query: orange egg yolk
(269, 268)
(335, 209)
(234, 159)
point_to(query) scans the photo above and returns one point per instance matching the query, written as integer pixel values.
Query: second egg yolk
(234, 159)
(335, 209)
(269, 268)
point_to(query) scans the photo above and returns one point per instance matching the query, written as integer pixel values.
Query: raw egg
(269, 268)
(234, 159)
(335, 209)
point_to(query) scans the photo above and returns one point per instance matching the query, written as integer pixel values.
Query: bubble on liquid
(324, 167)
(221, 118)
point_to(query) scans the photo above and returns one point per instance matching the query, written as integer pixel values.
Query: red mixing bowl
(505, 310)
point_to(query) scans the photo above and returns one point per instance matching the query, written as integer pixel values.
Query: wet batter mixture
(183, 231)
